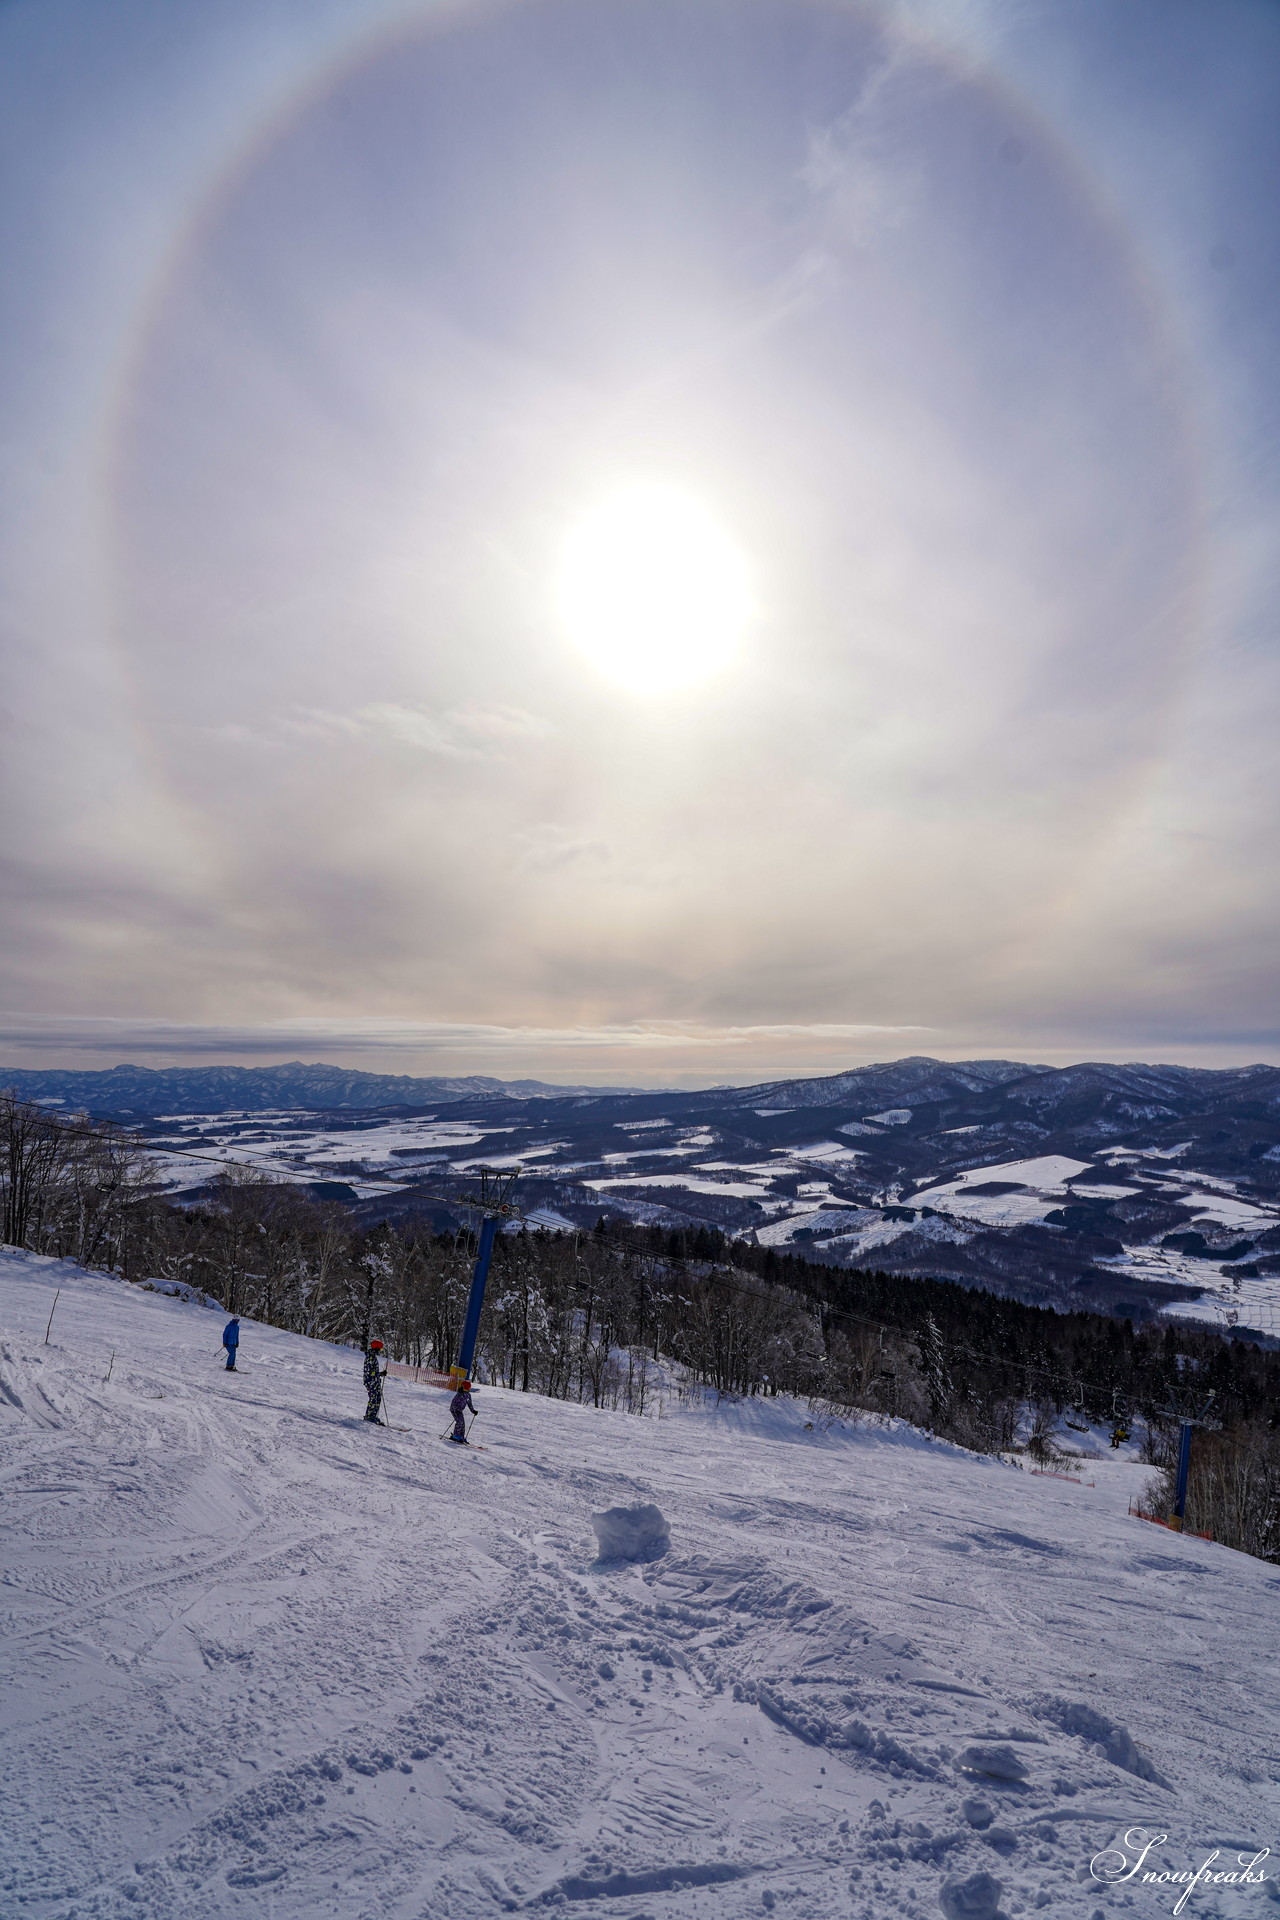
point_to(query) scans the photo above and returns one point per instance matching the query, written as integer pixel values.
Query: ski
(473, 1444)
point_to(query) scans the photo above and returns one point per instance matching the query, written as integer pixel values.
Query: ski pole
(52, 1311)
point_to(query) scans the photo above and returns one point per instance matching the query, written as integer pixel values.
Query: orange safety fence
(1168, 1525)
(424, 1376)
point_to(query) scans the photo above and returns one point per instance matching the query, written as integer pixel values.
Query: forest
(615, 1316)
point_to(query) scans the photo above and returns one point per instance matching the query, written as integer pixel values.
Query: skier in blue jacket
(231, 1340)
(460, 1405)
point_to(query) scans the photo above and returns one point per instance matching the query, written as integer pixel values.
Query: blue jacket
(231, 1334)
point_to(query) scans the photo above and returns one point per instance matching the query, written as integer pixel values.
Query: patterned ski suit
(374, 1375)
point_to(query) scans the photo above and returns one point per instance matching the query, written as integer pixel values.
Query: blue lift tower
(494, 1205)
(1188, 1421)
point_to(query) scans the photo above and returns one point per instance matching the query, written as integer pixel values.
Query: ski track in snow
(261, 1659)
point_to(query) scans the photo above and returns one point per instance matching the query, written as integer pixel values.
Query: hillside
(1131, 1189)
(264, 1659)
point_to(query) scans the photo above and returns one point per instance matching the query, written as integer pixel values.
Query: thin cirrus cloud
(958, 317)
(476, 734)
(373, 1035)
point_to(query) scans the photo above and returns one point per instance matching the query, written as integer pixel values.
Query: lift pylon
(494, 1204)
(1189, 1419)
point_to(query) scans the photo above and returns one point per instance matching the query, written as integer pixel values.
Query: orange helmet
(375, 1346)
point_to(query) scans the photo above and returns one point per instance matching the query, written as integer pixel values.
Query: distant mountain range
(127, 1090)
(918, 1080)
(1128, 1188)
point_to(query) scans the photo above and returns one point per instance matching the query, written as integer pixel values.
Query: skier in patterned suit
(374, 1375)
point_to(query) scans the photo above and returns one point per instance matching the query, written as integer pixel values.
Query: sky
(669, 541)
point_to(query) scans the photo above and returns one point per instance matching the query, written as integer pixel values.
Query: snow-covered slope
(264, 1659)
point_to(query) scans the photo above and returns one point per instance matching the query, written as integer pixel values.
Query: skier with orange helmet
(460, 1405)
(374, 1375)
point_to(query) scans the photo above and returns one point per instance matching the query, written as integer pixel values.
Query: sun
(652, 590)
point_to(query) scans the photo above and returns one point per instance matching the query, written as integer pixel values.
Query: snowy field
(263, 1659)
(284, 1148)
(814, 1189)
(1033, 1190)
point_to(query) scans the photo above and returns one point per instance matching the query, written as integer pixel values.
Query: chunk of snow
(631, 1533)
(976, 1898)
(1110, 1739)
(997, 1761)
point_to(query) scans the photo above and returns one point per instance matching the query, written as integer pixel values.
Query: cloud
(547, 846)
(856, 167)
(283, 645)
(500, 723)
(973, 28)
(117, 1035)
(471, 733)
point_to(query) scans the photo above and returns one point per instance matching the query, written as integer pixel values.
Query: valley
(1125, 1189)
